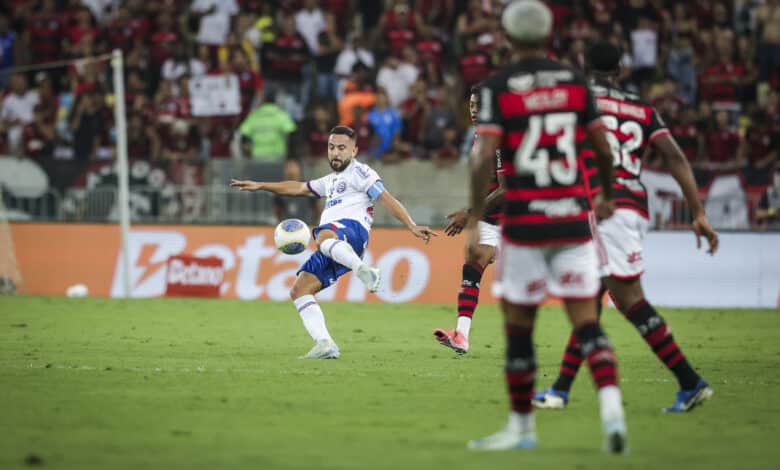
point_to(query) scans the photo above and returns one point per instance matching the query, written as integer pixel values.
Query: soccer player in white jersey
(350, 192)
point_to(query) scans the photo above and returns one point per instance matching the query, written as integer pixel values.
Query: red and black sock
(572, 356)
(468, 296)
(572, 359)
(653, 329)
(520, 367)
(598, 351)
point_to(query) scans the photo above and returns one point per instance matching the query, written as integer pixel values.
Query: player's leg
(477, 259)
(557, 396)
(333, 243)
(522, 277)
(575, 278)
(302, 294)
(630, 300)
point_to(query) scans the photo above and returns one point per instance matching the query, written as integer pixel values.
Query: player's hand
(423, 232)
(604, 208)
(458, 221)
(702, 228)
(245, 185)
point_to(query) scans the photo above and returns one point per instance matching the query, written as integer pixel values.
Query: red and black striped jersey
(494, 216)
(542, 111)
(631, 127)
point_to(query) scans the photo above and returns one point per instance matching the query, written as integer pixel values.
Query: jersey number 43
(531, 159)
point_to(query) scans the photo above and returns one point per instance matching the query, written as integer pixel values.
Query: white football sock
(522, 422)
(464, 325)
(312, 317)
(611, 403)
(341, 252)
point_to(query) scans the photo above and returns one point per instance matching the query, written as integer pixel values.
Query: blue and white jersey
(350, 194)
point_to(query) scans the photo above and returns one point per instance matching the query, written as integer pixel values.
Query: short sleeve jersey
(542, 111)
(631, 127)
(349, 194)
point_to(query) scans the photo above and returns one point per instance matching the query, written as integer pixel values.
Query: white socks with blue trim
(341, 252)
(312, 317)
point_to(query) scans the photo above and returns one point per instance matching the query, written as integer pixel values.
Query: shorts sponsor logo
(634, 257)
(536, 286)
(571, 278)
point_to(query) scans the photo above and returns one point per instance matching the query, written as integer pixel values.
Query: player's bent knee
(480, 254)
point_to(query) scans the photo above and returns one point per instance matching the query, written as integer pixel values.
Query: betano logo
(256, 258)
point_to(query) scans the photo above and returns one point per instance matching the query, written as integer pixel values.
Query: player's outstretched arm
(605, 206)
(681, 171)
(282, 188)
(399, 212)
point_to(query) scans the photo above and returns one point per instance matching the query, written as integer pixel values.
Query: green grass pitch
(171, 383)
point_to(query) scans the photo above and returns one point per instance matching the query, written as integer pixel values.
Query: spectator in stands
(246, 37)
(668, 102)
(474, 65)
(161, 44)
(266, 131)
(397, 77)
(644, 47)
(8, 46)
(439, 14)
(767, 213)
(87, 124)
(448, 153)
(310, 22)
(415, 111)
(142, 138)
(250, 82)
(760, 148)
(216, 137)
(364, 133)
(399, 28)
(430, 49)
(358, 92)
(330, 47)
(316, 133)
(440, 118)
(181, 63)
(286, 58)
(45, 29)
(476, 20)
(182, 142)
(84, 28)
(768, 26)
(16, 111)
(38, 136)
(353, 53)
(214, 19)
(722, 143)
(385, 123)
(689, 135)
(719, 83)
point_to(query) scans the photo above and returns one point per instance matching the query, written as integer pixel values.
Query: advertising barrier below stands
(744, 273)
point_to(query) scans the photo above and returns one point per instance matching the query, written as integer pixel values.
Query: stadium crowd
(397, 71)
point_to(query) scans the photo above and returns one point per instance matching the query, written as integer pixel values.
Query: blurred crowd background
(398, 71)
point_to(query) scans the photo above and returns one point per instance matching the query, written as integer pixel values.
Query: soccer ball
(292, 236)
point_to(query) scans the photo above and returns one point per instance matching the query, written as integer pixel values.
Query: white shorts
(622, 236)
(526, 275)
(489, 234)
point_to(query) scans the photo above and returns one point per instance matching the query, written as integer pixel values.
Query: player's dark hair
(344, 130)
(475, 89)
(603, 57)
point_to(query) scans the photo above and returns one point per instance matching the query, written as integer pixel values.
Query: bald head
(527, 22)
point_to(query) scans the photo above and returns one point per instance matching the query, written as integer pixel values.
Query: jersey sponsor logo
(332, 202)
(556, 208)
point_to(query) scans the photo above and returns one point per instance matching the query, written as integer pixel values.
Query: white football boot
(323, 349)
(369, 276)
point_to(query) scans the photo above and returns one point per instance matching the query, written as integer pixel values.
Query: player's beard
(339, 166)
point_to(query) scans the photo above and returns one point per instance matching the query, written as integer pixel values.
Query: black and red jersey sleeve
(656, 128)
(489, 115)
(590, 116)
